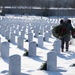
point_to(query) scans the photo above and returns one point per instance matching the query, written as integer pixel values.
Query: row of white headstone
(11, 31)
(10, 35)
(15, 60)
(4, 47)
(15, 63)
(16, 29)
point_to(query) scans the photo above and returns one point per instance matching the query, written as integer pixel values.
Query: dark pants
(66, 43)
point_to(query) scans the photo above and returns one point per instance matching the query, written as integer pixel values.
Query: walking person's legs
(62, 44)
(67, 45)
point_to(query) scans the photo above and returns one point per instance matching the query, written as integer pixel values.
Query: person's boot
(66, 50)
(62, 50)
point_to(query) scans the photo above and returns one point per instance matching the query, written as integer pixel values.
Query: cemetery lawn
(32, 65)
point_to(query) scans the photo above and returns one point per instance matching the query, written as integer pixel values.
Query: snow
(32, 65)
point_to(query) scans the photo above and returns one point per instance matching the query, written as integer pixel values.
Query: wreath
(60, 31)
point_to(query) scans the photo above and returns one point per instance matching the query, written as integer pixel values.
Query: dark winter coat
(69, 27)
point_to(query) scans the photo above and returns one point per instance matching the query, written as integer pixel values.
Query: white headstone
(36, 34)
(57, 46)
(3, 31)
(20, 42)
(12, 30)
(12, 38)
(52, 61)
(32, 48)
(5, 49)
(23, 34)
(29, 30)
(49, 33)
(7, 34)
(15, 65)
(30, 37)
(46, 36)
(40, 41)
(20, 27)
(17, 31)
(45, 29)
(9, 28)
(41, 31)
(24, 28)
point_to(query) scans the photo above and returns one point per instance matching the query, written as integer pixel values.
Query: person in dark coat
(66, 39)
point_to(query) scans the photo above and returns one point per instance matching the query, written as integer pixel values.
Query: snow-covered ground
(32, 65)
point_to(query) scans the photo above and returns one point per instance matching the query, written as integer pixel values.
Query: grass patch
(8, 40)
(26, 53)
(44, 66)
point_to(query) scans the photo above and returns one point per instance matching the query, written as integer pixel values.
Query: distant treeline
(39, 3)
